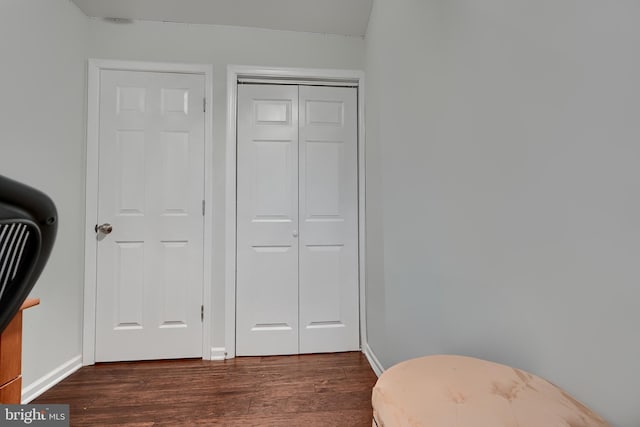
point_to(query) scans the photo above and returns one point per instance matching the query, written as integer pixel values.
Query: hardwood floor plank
(322, 418)
(305, 390)
(347, 384)
(332, 402)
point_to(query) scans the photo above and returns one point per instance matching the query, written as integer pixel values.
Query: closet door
(328, 283)
(267, 220)
(150, 192)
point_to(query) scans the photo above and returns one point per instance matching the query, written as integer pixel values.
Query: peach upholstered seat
(457, 391)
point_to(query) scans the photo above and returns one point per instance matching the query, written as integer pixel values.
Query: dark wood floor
(306, 390)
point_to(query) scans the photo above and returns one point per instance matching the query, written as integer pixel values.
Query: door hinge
(202, 313)
(203, 208)
(204, 105)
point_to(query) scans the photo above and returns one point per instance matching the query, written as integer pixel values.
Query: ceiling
(344, 17)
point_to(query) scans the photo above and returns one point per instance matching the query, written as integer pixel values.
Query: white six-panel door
(151, 186)
(267, 210)
(328, 200)
(297, 251)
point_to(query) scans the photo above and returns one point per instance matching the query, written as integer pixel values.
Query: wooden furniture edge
(29, 302)
(11, 356)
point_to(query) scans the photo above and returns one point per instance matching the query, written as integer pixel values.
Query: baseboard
(47, 381)
(373, 360)
(218, 353)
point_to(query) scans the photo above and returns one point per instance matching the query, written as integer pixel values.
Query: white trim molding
(47, 381)
(292, 75)
(91, 213)
(373, 360)
(218, 353)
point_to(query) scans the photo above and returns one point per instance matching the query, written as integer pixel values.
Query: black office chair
(28, 226)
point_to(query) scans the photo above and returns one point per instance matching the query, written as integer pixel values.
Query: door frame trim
(91, 200)
(234, 72)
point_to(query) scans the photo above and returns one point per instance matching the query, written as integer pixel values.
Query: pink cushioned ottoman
(457, 391)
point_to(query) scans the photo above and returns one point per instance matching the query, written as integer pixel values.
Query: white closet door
(329, 319)
(151, 185)
(267, 220)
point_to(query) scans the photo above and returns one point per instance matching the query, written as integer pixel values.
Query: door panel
(151, 185)
(267, 220)
(329, 319)
(129, 285)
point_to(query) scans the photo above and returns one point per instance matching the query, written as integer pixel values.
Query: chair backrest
(28, 226)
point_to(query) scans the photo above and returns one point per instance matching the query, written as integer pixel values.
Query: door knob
(105, 228)
(295, 233)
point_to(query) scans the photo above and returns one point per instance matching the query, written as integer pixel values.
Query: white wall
(403, 303)
(44, 45)
(42, 82)
(220, 46)
(509, 165)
